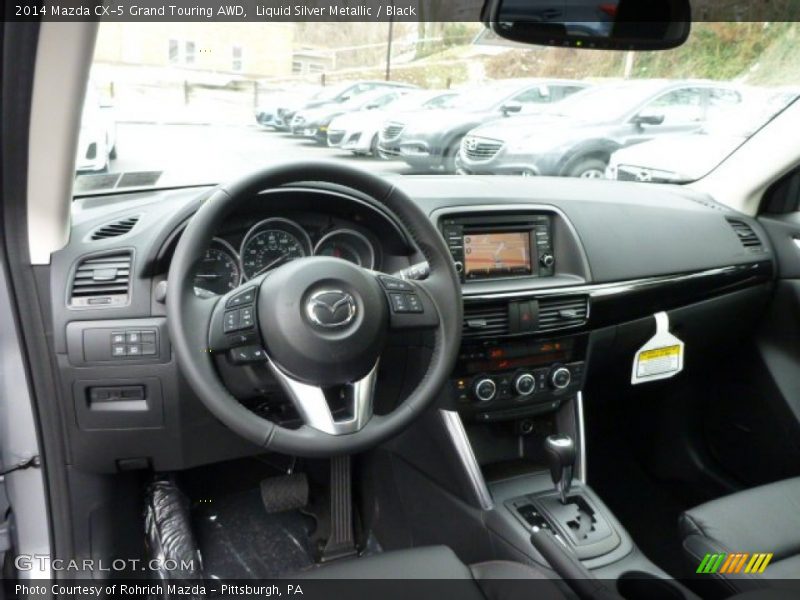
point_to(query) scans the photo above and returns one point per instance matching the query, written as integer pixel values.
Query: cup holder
(638, 585)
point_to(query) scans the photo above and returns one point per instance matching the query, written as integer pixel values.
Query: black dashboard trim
(612, 303)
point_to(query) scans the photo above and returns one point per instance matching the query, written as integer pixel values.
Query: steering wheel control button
(485, 389)
(133, 337)
(393, 284)
(118, 350)
(247, 354)
(117, 338)
(133, 350)
(241, 298)
(560, 378)
(246, 320)
(404, 302)
(231, 322)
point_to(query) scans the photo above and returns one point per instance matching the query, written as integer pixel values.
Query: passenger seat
(765, 519)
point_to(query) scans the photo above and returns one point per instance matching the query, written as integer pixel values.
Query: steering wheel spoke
(311, 402)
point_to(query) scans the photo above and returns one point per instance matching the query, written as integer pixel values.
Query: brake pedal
(284, 492)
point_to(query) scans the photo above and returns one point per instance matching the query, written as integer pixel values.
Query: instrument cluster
(272, 242)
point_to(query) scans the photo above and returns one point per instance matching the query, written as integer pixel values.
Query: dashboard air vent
(747, 237)
(102, 281)
(562, 312)
(114, 229)
(485, 320)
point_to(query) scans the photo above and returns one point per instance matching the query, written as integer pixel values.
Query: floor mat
(238, 539)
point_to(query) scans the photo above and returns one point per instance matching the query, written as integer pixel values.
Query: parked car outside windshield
(358, 131)
(577, 138)
(684, 158)
(430, 140)
(183, 117)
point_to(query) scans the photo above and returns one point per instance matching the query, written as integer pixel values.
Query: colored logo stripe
(724, 562)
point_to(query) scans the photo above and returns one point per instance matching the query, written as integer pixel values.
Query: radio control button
(459, 266)
(547, 260)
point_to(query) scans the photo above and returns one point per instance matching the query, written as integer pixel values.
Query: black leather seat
(765, 519)
(492, 580)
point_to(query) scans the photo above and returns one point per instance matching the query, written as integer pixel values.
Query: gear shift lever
(560, 450)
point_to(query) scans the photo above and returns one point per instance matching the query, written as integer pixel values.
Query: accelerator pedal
(341, 539)
(284, 492)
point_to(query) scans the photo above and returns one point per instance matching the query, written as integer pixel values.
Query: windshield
(212, 101)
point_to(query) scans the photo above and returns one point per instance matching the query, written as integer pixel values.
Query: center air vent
(114, 229)
(102, 281)
(562, 312)
(747, 237)
(485, 320)
(493, 320)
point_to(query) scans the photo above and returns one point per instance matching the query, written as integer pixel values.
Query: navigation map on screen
(497, 252)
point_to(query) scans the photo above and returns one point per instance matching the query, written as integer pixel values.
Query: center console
(517, 389)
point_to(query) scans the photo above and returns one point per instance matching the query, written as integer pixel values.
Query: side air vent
(562, 312)
(114, 229)
(485, 320)
(102, 281)
(747, 237)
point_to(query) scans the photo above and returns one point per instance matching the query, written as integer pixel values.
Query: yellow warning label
(657, 353)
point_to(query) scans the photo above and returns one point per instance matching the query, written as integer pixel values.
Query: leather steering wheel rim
(189, 316)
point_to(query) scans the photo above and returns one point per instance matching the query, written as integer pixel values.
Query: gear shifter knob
(560, 450)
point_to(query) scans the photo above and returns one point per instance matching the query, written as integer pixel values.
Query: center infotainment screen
(495, 254)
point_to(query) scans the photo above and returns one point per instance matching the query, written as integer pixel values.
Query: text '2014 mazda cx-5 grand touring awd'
(281, 316)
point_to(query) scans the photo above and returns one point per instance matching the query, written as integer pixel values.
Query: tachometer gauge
(271, 243)
(348, 245)
(218, 270)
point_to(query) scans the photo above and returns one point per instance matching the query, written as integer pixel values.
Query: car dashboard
(566, 277)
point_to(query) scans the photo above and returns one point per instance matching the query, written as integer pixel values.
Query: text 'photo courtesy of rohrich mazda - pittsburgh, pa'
(400, 299)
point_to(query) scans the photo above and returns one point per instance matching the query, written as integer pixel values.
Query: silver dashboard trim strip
(455, 428)
(582, 472)
(598, 290)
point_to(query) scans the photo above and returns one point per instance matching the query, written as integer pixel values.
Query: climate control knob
(525, 384)
(560, 377)
(485, 389)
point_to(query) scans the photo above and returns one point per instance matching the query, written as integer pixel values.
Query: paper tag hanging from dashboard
(661, 357)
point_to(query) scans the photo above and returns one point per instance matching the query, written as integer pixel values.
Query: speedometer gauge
(218, 270)
(271, 243)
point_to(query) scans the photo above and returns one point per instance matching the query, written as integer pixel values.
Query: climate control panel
(496, 396)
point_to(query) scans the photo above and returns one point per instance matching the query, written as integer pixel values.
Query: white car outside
(358, 131)
(97, 140)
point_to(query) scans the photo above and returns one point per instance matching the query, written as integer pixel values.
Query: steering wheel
(317, 325)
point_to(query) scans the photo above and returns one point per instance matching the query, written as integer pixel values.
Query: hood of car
(429, 122)
(684, 157)
(513, 129)
(321, 114)
(360, 119)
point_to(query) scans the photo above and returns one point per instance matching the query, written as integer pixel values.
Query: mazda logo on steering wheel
(331, 308)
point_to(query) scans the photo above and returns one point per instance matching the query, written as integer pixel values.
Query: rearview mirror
(511, 107)
(592, 24)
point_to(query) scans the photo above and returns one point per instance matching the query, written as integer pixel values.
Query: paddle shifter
(560, 450)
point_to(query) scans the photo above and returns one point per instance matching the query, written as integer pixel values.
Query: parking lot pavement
(211, 154)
